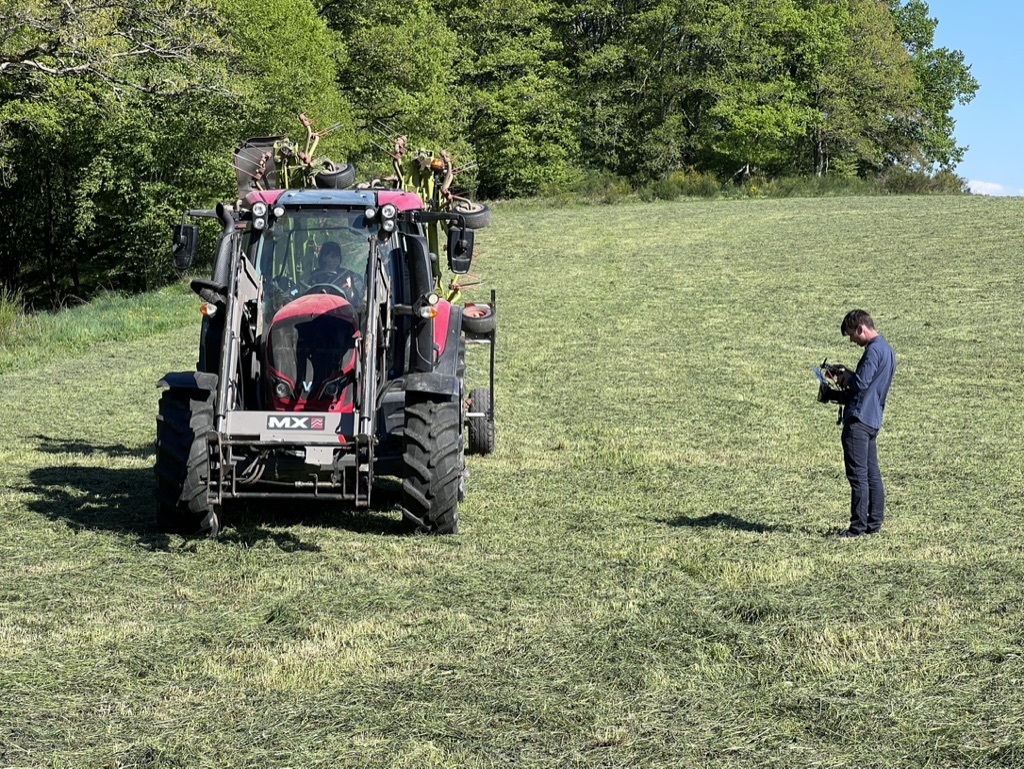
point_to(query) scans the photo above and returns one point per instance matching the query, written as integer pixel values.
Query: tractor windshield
(313, 251)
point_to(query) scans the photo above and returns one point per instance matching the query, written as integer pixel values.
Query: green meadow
(644, 576)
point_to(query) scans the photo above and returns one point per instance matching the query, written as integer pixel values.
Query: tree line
(117, 115)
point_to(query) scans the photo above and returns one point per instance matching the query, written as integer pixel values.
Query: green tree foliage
(856, 76)
(398, 74)
(757, 111)
(512, 86)
(115, 116)
(68, 72)
(638, 72)
(944, 80)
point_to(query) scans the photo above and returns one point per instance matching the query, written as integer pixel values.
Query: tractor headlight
(259, 209)
(278, 212)
(387, 215)
(282, 391)
(429, 308)
(369, 213)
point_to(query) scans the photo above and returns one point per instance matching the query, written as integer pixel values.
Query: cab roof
(404, 201)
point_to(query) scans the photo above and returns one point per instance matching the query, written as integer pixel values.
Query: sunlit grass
(644, 576)
(32, 339)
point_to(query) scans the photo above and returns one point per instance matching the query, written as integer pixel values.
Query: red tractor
(328, 357)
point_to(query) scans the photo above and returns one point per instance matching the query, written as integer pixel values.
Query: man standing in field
(868, 387)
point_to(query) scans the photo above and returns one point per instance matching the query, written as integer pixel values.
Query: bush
(807, 187)
(685, 183)
(606, 187)
(894, 181)
(902, 181)
(664, 189)
(589, 187)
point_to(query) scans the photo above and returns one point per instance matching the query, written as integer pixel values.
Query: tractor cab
(312, 257)
(317, 253)
(311, 245)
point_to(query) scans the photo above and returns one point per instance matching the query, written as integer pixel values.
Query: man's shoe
(848, 534)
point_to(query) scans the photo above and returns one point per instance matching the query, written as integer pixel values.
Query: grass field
(643, 577)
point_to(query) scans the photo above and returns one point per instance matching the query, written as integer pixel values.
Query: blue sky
(992, 126)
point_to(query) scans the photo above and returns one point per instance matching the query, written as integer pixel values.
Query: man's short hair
(855, 319)
(330, 248)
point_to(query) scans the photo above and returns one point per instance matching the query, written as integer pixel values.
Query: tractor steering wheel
(334, 283)
(327, 288)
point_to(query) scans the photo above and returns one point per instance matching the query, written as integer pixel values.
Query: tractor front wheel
(183, 466)
(434, 464)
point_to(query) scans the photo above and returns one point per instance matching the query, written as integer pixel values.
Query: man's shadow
(122, 500)
(725, 521)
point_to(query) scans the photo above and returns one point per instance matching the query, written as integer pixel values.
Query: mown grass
(643, 576)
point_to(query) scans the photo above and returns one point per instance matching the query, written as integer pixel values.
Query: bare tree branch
(124, 44)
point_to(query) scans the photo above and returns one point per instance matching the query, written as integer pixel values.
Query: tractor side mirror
(460, 249)
(186, 243)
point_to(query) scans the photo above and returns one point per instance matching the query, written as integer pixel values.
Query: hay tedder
(333, 346)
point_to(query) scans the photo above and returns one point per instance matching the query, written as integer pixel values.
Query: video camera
(829, 388)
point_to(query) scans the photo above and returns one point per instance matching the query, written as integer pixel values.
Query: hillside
(644, 576)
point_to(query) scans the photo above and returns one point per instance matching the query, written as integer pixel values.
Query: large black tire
(477, 215)
(434, 464)
(336, 177)
(183, 466)
(478, 319)
(480, 430)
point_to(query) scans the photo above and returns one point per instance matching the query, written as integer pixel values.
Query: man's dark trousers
(867, 494)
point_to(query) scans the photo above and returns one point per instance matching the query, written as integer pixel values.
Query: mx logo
(294, 423)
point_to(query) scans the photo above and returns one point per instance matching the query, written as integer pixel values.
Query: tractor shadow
(115, 500)
(246, 521)
(50, 445)
(122, 501)
(725, 521)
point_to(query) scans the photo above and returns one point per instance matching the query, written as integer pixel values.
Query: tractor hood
(311, 355)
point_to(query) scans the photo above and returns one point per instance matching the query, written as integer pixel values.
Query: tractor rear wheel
(480, 430)
(183, 466)
(434, 464)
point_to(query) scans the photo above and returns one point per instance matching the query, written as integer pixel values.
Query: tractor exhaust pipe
(222, 264)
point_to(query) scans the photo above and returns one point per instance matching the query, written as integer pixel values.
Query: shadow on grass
(118, 500)
(49, 445)
(725, 521)
(123, 501)
(246, 521)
